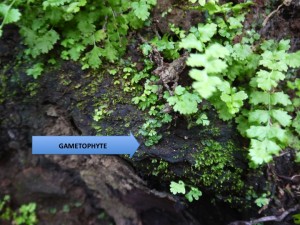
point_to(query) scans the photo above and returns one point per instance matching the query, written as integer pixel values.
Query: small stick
(268, 218)
(285, 2)
(270, 15)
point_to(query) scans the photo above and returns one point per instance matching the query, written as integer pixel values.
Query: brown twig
(285, 2)
(270, 15)
(268, 218)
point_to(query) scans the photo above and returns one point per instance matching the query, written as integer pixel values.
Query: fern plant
(180, 188)
(244, 80)
(268, 119)
(89, 32)
(8, 14)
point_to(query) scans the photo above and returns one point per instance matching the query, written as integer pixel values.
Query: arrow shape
(81, 145)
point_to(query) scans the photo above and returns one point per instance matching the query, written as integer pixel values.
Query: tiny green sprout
(36, 70)
(180, 188)
(262, 200)
(177, 187)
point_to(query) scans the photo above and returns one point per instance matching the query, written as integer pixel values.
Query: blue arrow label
(79, 145)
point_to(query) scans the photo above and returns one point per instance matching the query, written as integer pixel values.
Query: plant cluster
(246, 80)
(88, 32)
(144, 89)
(215, 166)
(153, 98)
(25, 215)
(180, 188)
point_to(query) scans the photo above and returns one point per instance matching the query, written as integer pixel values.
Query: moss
(160, 167)
(3, 86)
(10, 84)
(32, 88)
(66, 81)
(216, 167)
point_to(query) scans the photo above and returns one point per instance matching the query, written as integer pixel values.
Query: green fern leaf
(296, 123)
(234, 101)
(235, 22)
(281, 116)
(284, 45)
(262, 151)
(267, 80)
(110, 52)
(212, 65)
(207, 31)
(197, 60)
(183, 101)
(259, 116)
(191, 42)
(241, 52)
(93, 58)
(277, 133)
(259, 97)
(205, 85)
(194, 193)
(11, 15)
(176, 188)
(274, 60)
(54, 3)
(141, 9)
(217, 51)
(267, 132)
(40, 44)
(293, 59)
(259, 132)
(280, 98)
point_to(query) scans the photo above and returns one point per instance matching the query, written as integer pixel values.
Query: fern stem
(4, 19)
(114, 16)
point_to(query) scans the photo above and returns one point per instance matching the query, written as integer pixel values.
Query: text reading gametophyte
(84, 145)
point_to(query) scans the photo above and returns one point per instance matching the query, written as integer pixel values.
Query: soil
(117, 190)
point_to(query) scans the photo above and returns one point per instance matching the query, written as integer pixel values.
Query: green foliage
(36, 70)
(146, 96)
(194, 193)
(296, 218)
(167, 46)
(39, 43)
(149, 97)
(88, 32)
(180, 188)
(183, 101)
(269, 122)
(160, 167)
(157, 101)
(262, 200)
(296, 123)
(141, 8)
(177, 188)
(215, 164)
(5, 212)
(101, 112)
(25, 215)
(66, 208)
(8, 14)
(149, 130)
(233, 75)
(203, 2)
(203, 120)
